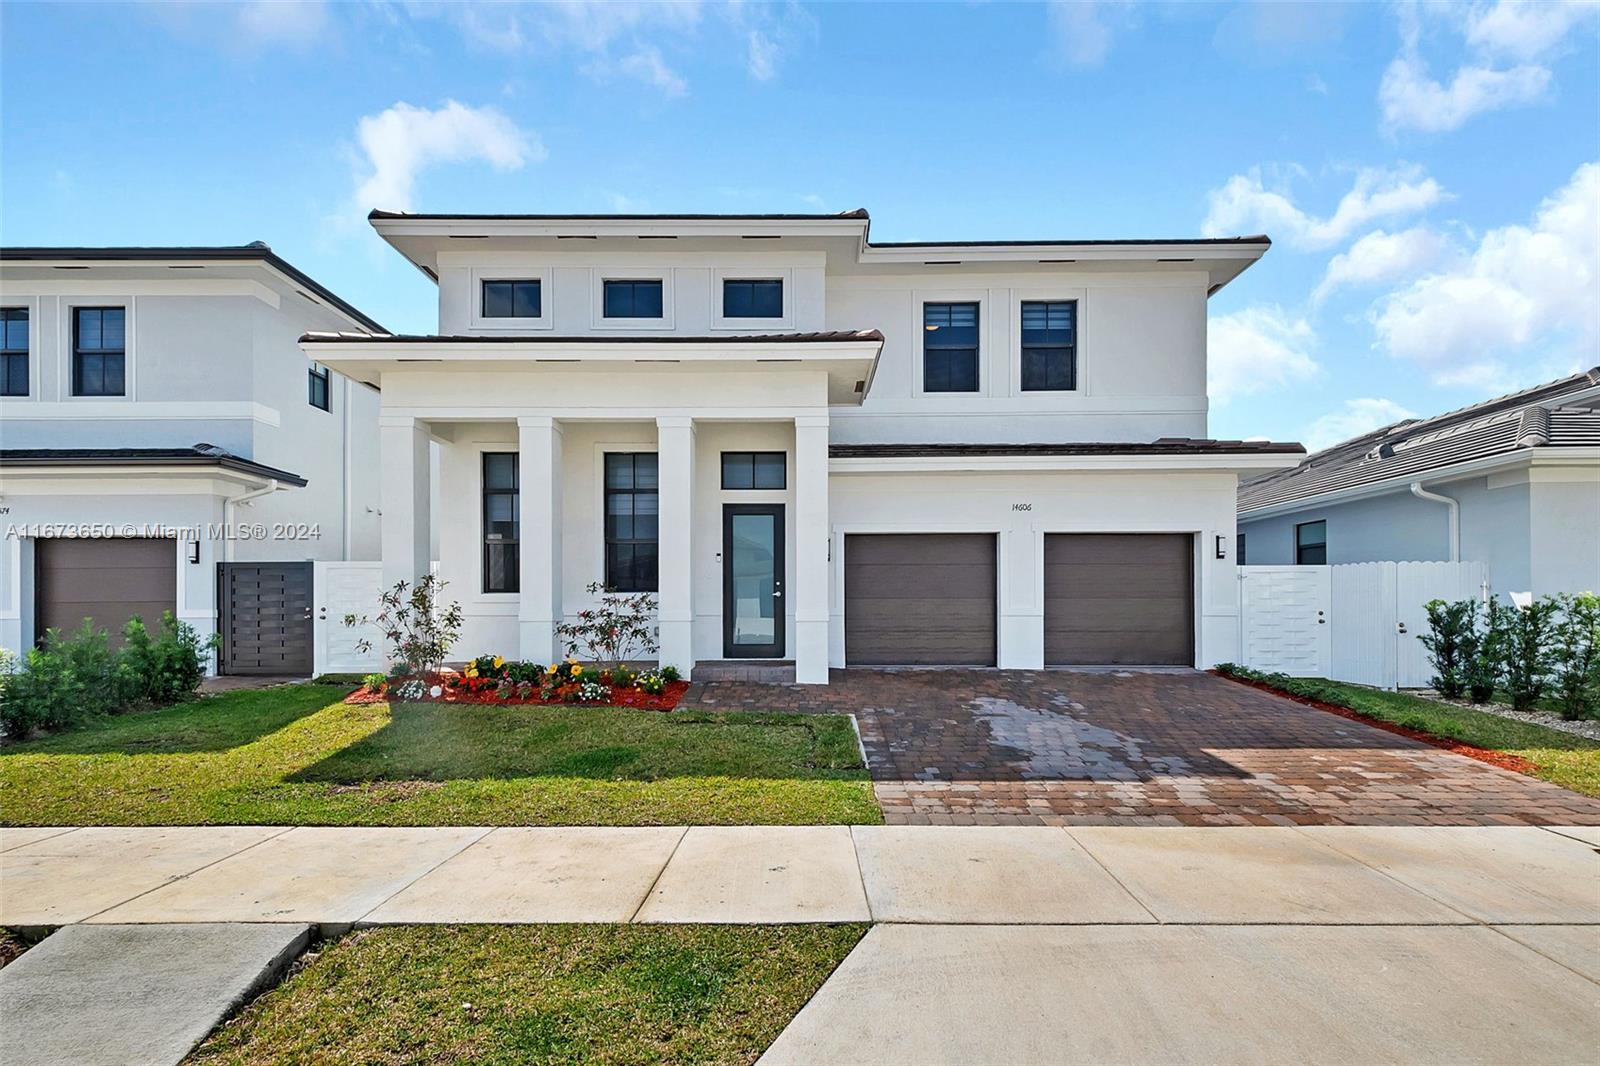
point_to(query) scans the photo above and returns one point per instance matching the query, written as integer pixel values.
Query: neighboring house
(812, 448)
(1513, 482)
(153, 401)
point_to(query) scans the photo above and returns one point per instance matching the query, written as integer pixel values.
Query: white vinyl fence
(341, 589)
(1353, 622)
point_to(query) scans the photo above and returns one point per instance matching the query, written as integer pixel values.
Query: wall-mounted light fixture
(1222, 546)
(194, 551)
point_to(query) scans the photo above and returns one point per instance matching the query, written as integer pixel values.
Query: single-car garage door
(919, 599)
(108, 580)
(1119, 599)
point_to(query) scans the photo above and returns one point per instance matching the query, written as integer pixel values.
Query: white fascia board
(117, 479)
(1458, 472)
(999, 464)
(448, 228)
(598, 351)
(921, 253)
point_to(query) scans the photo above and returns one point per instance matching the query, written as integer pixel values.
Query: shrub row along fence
(1548, 649)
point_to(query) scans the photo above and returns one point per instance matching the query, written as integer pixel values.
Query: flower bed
(618, 696)
(490, 680)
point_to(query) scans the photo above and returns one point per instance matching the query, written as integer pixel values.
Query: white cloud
(1510, 44)
(1522, 287)
(761, 56)
(1082, 31)
(1255, 350)
(1352, 420)
(269, 22)
(1381, 256)
(1245, 205)
(401, 142)
(644, 65)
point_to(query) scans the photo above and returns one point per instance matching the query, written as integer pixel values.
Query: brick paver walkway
(986, 747)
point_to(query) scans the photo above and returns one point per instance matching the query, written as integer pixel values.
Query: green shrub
(524, 672)
(669, 673)
(651, 684)
(164, 670)
(1528, 651)
(622, 677)
(1450, 640)
(1576, 656)
(373, 682)
(1483, 661)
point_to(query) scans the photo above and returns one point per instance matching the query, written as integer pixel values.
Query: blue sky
(1430, 173)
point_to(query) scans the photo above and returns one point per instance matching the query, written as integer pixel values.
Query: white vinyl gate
(1352, 622)
(341, 589)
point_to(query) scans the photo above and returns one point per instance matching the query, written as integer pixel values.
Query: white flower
(436, 691)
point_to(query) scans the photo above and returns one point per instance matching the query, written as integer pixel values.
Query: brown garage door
(1119, 599)
(919, 599)
(107, 580)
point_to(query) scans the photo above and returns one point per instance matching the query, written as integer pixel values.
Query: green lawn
(1562, 758)
(296, 755)
(538, 994)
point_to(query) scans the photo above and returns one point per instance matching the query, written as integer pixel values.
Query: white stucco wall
(1565, 555)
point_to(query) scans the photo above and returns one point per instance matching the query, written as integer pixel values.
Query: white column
(407, 536)
(539, 472)
(809, 588)
(675, 540)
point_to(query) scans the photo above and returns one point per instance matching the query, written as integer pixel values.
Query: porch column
(675, 540)
(811, 583)
(407, 535)
(539, 559)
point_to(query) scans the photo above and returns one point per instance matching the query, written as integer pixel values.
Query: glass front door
(752, 581)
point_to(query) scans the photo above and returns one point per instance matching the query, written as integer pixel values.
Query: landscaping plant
(1450, 639)
(1576, 657)
(1483, 661)
(1528, 652)
(419, 630)
(619, 630)
(164, 669)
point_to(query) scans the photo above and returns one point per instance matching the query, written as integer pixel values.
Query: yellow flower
(576, 669)
(571, 660)
(498, 662)
(471, 670)
(553, 668)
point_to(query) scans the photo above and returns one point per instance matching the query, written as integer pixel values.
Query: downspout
(1455, 516)
(228, 506)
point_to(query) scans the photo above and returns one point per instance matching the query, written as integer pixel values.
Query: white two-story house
(813, 449)
(165, 445)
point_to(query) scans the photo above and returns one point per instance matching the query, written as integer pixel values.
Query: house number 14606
(1022, 507)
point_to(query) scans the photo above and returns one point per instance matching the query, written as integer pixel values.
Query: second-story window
(632, 521)
(13, 351)
(754, 298)
(1311, 543)
(513, 299)
(950, 347)
(633, 299)
(502, 522)
(1049, 345)
(99, 353)
(319, 392)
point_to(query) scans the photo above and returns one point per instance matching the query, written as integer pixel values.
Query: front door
(752, 581)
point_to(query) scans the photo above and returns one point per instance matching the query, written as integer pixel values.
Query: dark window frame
(1048, 378)
(511, 575)
(1240, 561)
(934, 349)
(728, 283)
(606, 288)
(537, 285)
(319, 377)
(755, 471)
(11, 358)
(1302, 547)
(80, 354)
(612, 581)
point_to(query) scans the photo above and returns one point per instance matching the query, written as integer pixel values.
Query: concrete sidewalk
(913, 874)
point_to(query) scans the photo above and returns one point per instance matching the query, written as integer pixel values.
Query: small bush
(651, 684)
(374, 682)
(669, 673)
(1528, 652)
(524, 672)
(621, 628)
(1484, 665)
(165, 669)
(1452, 633)
(1576, 656)
(419, 627)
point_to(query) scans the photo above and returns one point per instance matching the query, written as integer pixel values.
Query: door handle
(777, 594)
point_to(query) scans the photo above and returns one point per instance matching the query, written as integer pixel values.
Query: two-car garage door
(929, 599)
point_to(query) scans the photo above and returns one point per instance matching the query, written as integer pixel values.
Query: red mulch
(490, 697)
(1504, 760)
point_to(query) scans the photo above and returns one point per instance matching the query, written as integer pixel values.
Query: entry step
(770, 671)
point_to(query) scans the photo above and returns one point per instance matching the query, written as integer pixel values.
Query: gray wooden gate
(265, 611)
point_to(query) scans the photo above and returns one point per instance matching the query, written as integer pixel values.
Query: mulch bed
(1502, 759)
(490, 697)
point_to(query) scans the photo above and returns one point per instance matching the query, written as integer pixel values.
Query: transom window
(317, 385)
(13, 351)
(633, 299)
(950, 347)
(756, 298)
(502, 522)
(513, 299)
(632, 521)
(1049, 345)
(1311, 543)
(754, 470)
(99, 353)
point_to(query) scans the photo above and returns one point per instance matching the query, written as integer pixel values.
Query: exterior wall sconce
(194, 551)
(1222, 546)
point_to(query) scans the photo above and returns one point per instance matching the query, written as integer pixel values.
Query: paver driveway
(988, 747)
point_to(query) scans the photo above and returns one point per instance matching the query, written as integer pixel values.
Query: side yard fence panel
(1371, 618)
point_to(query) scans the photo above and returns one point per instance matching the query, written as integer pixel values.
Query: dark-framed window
(632, 510)
(502, 522)
(950, 347)
(752, 298)
(13, 351)
(1049, 345)
(1240, 561)
(755, 470)
(1311, 543)
(513, 299)
(318, 387)
(99, 352)
(633, 299)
